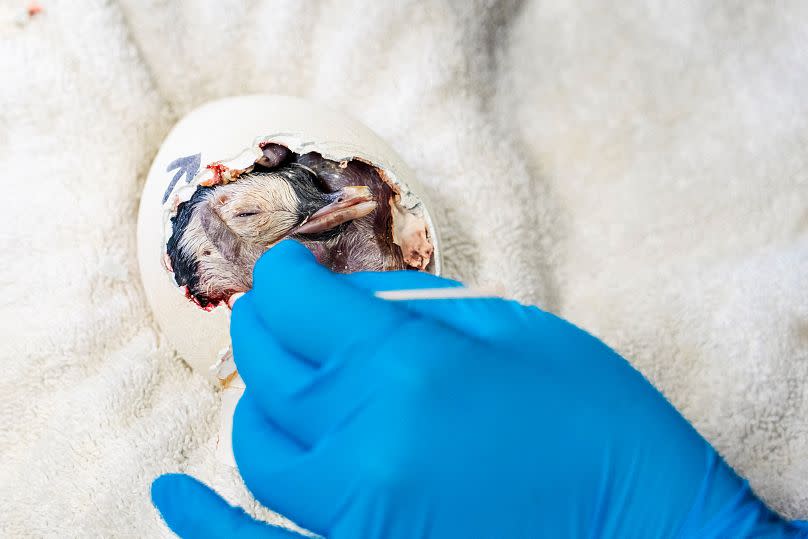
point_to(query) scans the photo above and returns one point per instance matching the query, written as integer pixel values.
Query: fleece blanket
(637, 168)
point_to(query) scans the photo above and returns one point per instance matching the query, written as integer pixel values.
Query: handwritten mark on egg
(188, 165)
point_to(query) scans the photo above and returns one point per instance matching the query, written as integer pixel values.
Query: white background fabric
(639, 169)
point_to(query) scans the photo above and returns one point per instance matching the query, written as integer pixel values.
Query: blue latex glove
(449, 418)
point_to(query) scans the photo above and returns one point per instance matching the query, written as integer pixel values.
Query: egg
(223, 142)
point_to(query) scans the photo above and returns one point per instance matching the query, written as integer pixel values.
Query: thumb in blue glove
(192, 509)
(449, 418)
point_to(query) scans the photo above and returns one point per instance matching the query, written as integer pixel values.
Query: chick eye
(247, 214)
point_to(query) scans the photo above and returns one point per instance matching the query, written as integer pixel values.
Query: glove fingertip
(280, 259)
(162, 489)
(192, 509)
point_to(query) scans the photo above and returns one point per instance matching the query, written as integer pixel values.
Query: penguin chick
(222, 230)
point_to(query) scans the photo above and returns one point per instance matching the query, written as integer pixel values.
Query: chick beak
(349, 203)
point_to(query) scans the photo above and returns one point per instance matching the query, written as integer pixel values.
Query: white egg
(229, 131)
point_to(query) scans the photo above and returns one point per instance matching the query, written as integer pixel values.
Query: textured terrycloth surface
(638, 169)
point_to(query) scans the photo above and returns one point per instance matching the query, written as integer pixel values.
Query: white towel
(638, 170)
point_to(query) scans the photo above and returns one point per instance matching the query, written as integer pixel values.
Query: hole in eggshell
(346, 212)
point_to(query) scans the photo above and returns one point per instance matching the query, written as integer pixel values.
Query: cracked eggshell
(227, 130)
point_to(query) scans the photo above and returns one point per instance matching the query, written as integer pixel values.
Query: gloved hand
(449, 418)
